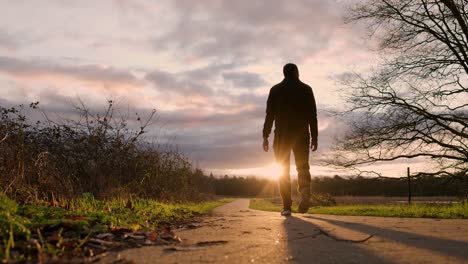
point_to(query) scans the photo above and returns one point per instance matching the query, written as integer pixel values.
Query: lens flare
(273, 170)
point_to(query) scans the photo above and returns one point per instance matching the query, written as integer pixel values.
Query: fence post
(409, 185)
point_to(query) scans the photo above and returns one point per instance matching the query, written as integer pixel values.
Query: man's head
(290, 70)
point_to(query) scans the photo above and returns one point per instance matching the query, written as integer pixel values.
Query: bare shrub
(97, 153)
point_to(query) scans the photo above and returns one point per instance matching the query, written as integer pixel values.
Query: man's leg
(283, 155)
(301, 156)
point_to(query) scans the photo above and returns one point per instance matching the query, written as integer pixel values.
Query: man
(291, 106)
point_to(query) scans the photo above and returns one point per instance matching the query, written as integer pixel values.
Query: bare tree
(416, 104)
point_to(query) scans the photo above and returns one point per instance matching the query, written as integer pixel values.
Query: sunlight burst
(273, 170)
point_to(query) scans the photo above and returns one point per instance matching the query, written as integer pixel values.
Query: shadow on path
(446, 247)
(308, 244)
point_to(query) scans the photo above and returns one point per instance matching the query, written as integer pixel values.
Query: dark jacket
(291, 106)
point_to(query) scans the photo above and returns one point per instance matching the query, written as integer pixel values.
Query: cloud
(244, 79)
(7, 41)
(249, 31)
(188, 82)
(201, 80)
(11, 41)
(37, 68)
(168, 82)
(211, 120)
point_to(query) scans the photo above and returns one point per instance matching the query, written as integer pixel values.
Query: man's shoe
(303, 206)
(286, 212)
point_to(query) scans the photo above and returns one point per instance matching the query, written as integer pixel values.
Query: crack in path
(324, 233)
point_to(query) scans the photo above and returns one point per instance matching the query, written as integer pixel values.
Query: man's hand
(265, 145)
(313, 145)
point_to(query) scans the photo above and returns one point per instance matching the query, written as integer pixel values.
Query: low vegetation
(102, 153)
(81, 227)
(456, 210)
(80, 186)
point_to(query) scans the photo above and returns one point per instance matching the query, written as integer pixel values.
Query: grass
(453, 211)
(26, 229)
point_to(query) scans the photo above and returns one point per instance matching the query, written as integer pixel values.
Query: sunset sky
(206, 66)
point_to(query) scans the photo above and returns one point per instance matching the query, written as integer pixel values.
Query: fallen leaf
(152, 236)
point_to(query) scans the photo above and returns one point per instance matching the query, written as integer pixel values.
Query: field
(348, 200)
(428, 207)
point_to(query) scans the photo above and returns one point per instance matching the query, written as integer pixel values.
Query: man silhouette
(291, 106)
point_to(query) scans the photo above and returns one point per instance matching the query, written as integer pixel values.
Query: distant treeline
(420, 186)
(243, 186)
(358, 186)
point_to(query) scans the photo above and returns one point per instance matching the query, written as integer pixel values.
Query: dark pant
(300, 148)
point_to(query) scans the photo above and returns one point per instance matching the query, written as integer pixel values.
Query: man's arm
(269, 119)
(313, 121)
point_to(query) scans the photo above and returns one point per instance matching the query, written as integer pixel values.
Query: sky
(205, 66)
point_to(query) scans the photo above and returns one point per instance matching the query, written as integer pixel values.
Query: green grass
(454, 211)
(84, 217)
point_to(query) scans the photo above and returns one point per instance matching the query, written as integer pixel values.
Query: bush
(95, 153)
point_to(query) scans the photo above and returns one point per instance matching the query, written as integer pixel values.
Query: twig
(4, 138)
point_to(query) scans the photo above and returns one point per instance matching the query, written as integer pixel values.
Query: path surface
(237, 234)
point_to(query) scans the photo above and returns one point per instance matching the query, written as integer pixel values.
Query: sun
(272, 171)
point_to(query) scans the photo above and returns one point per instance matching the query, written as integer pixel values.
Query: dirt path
(236, 234)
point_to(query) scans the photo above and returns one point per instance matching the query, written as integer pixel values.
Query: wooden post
(409, 185)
